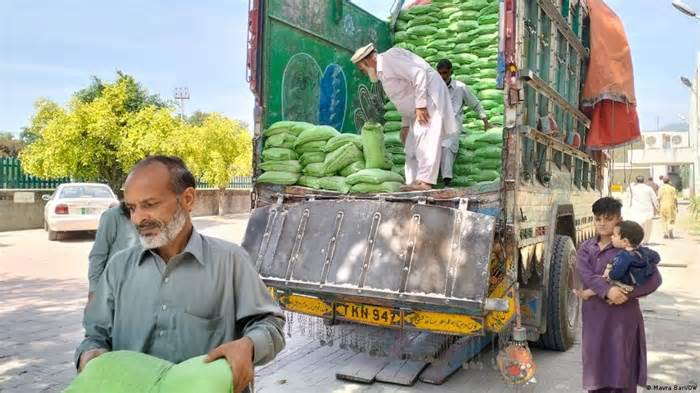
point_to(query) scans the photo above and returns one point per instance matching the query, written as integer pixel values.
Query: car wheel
(53, 235)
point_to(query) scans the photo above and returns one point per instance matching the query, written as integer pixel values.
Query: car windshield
(86, 192)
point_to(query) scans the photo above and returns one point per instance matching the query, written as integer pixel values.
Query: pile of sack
(467, 34)
(320, 157)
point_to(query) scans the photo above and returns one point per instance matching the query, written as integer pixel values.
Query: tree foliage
(107, 127)
(9, 145)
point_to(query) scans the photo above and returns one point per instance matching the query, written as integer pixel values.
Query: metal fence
(238, 182)
(12, 176)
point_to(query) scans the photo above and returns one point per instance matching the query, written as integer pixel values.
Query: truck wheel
(562, 305)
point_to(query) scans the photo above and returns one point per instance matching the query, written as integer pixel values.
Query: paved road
(43, 290)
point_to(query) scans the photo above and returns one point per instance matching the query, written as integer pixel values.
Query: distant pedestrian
(613, 344)
(643, 205)
(668, 202)
(651, 183)
(115, 233)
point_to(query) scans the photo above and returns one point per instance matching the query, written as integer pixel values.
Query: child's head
(627, 234)
(608, 213)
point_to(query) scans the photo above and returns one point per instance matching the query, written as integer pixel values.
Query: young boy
(631, 267)
(613, 345)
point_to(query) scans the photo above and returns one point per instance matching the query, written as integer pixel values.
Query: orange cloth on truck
(608, 91)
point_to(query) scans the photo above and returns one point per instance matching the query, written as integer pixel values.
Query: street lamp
(684, 8)
(693, 133)
(688, 83)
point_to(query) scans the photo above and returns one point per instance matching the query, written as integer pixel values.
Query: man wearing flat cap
(421, 97)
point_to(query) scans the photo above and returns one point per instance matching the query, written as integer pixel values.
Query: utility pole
(182, 94)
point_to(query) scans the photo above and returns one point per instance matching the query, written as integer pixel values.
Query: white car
(76, 207)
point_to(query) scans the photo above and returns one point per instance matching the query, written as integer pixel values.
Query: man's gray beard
(166, 234)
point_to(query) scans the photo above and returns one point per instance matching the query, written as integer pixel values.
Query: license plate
(88, 210)
(372, 315)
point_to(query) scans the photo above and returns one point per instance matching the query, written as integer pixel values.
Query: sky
(52, 48)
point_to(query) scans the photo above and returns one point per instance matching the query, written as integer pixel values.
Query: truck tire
(562, 305)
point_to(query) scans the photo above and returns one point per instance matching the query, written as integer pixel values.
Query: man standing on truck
(460, 95)
(423, 100)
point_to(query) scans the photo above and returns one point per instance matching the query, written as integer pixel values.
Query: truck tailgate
(389, 253)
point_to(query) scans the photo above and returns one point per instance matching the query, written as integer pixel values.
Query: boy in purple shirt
(613, 342)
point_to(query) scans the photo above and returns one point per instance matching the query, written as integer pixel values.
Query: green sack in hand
(130, 372)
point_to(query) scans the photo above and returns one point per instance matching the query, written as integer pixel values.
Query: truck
(464, 263)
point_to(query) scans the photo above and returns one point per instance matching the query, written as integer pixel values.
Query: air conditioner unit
(651, 142)
(676, 140)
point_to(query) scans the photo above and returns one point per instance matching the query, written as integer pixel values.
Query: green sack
(365, 188)
(282, 127)
(465, 156)
(279, 154)
(486, 175)
(395, 149)
(471, 141)
(318, 133)
(422, 10)
(334, 183)
(392, 116)
(405, 16)
(490, 104)
(400, 36)
(462, 49)
(312, 158)
(393, 139)
(425, 52)
(398, 159)
(491, 94)
(400, 169)
(316, 169)
(309, 181)
(443, 34)
(388, 160)
(463, 26)
(421, 31)
(401, 25)
(422, 20)
(389, 106)
(462, 181)
(311, 147)
(339, 141)
(489, 163)
(129, 371)
(465, 58)
(497, 120)
(373, 176)
(488, 19)
(474, 5)
(406, 45)
(497, 111)
(352, 168)
(292, 166)
(285, 140)
(464, 169)
(491, 137)
(392, 126)
(492, 8)
(442, 45)
(342, 157)
(486, 85)
(373, 145)
(489, 152)
(300, 126)
(284, 178)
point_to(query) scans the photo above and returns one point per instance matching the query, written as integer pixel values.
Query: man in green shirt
(115, 233)
(180, 294)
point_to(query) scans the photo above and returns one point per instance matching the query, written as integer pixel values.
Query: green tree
(85, 141)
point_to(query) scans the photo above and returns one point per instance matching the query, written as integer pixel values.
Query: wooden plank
(401, 372)
(451, 361)
(362, 368)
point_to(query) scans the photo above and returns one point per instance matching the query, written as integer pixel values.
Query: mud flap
(395, 253)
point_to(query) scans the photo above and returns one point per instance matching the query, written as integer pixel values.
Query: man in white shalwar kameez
(642, 207)
(421, 97)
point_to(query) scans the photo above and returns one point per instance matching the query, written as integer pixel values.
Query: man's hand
(86, 356)
(239, 355)
(404, 134)
(486, 124)
(616, 295)
(422, 116)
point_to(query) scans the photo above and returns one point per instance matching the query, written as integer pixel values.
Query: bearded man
(180, 294)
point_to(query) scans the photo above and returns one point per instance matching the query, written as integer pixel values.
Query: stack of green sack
(392, 138)
(466, 33)
(343, 158)
(479, 158)
(280, 164)
(128, 371)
